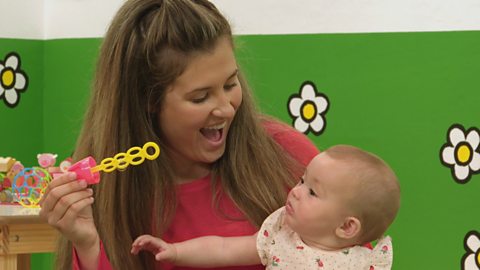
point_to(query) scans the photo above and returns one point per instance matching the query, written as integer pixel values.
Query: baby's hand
(162, 250)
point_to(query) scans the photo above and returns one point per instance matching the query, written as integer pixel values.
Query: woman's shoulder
(297, 144)
(274, 126)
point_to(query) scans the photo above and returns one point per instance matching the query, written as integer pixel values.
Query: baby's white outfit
(281, 248)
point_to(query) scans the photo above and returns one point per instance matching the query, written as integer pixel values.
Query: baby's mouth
(213, 133)
(289, 208)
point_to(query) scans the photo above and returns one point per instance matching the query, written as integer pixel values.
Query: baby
(346, 198)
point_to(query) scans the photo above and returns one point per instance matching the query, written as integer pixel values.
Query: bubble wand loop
(88, 170)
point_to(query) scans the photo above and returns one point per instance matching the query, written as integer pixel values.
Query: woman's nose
(224, 107)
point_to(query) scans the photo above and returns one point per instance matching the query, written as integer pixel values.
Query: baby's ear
(350, 228)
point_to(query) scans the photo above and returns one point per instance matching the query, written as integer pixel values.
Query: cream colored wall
(22, 19)
(52, 19)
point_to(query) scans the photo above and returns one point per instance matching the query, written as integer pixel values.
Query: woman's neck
(179, 179)
(186, 171)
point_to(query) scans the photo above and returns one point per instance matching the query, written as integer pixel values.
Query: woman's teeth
(213, 133)
(219, 126)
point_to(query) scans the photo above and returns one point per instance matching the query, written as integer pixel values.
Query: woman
(167, 73)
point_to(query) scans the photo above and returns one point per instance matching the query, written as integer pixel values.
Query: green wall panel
(22, 126)
(69, 66)
(42, 261)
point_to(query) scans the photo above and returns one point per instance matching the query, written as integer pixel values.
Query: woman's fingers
(64, 199)
(57, 189)
(69, 202)
(54, 170)
(57, 181)
(73, 212)
(77, 224)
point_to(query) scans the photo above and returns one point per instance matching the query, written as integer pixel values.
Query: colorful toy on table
(66, 164)
(46, 160)
(29, 185)
(88, 169)
(6, 183)
(6, 193)
(6, 163)
(6, 196)
(15, 169)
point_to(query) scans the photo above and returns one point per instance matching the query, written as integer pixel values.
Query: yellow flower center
(7, 78)
(463, 153)
(478, 258)
(308, 111)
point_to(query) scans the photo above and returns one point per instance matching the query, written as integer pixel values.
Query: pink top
(195, 215)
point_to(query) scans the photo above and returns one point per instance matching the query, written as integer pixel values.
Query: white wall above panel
(90, 18)
(21, 19)
(78, 18)
(347, 16)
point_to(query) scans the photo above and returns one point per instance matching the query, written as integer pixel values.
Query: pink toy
(17, 167)
(65, 164)
(47, 159)
(7, 183)
(14, 170)
(83, 170)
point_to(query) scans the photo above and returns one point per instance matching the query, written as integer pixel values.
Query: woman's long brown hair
(146, 48)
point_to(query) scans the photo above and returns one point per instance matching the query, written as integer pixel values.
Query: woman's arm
(88, 257)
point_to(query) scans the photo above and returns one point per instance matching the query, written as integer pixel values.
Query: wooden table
(22, 233)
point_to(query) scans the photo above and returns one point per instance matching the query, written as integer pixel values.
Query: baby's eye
(312, 192)
(301, 181)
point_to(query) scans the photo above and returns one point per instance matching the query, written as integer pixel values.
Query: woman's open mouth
(213, 133)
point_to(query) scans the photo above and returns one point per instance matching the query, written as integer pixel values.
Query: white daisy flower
(308, 109)
(12, 79)
(471, 259)
(461, 152)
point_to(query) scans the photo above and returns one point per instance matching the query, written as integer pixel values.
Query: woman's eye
(230, 86)
(200, 99)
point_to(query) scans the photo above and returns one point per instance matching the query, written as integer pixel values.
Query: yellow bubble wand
(88, 169)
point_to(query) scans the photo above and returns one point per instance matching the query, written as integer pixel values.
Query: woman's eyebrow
(235, 73)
